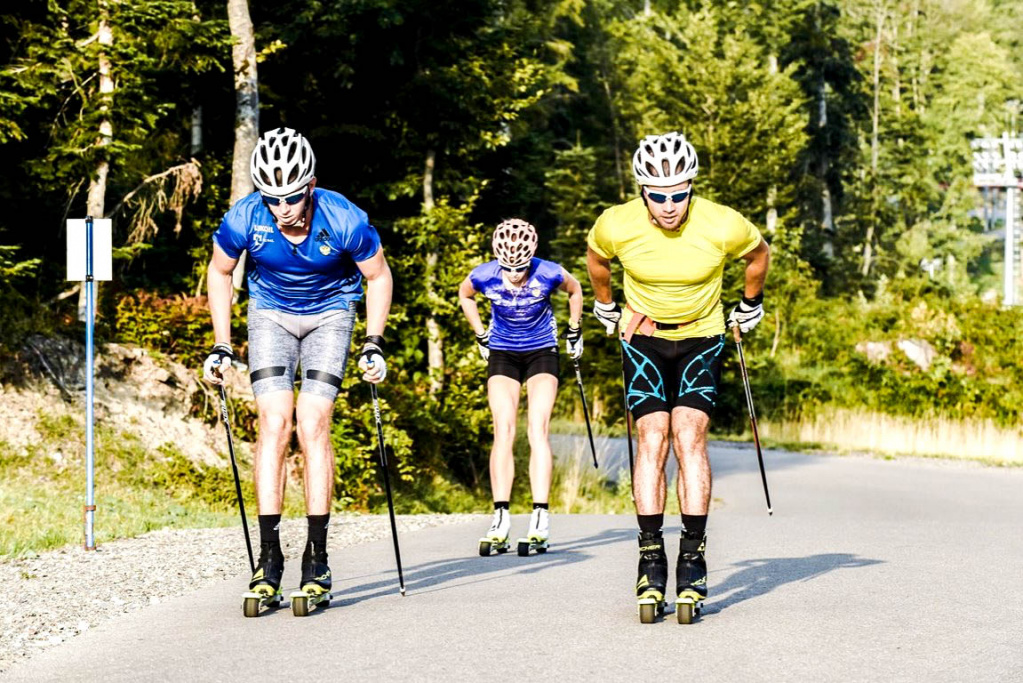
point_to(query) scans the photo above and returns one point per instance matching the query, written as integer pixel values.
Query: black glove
(747, 314)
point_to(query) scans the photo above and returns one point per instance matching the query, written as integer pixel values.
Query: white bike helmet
(282, 163)
(665, 160)
(514, 243)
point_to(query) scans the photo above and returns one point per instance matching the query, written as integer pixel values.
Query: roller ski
(539, 532)
(691, 578)
(497, 535)
(265, 585)
(653, 576)
(316, 582)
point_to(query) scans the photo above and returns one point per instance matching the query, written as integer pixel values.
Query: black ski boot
(691, 577)
(265, 585)
(653, 576)
(316, 582)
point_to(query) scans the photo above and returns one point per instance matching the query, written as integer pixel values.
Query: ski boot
(265, 586)
(539, 532)
(315, 586)
(497, 535)
(653, 576)
(691, 577)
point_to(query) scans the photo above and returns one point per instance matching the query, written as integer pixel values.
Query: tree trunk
(246, 119)
(434, 338)
(196, 147)
(772, 192)
(874, 145)
(96, 201)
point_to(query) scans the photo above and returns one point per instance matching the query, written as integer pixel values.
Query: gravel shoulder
(63, 593)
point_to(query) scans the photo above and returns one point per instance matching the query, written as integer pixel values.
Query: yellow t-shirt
(674, 276)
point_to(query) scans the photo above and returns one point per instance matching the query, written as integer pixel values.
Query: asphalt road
(869, 570)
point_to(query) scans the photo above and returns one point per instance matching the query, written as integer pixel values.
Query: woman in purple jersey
(521, 347)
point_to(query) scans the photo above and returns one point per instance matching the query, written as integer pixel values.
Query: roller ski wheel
(254, 600)
(488, 545)
(653, 577)
(302, 601)
(538, 545)
(688, 607)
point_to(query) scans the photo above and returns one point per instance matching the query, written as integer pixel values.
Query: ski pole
(628, 416)
(387, 484)
(234, 468)
(752, 414)
(586, 410)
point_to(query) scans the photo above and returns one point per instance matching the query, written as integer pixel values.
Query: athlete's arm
(600, 276)
(219, 292)
(758, 260)
(379, 286)
(575, 298)
(467, 300)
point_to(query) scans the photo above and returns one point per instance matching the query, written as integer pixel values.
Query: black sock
(270, 529)
(318, 529)
(694, 525)
(501, 504)
(651, 523)
(541, 506)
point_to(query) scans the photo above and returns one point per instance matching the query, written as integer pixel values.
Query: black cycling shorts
(662, 374)
(521, 365)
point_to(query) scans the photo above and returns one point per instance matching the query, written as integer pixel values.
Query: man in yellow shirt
(673, 247)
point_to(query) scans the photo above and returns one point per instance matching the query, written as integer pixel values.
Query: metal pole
(1009, 296)
(752, 415)
(90, 321)
(387, 484)
(586, 411)
(226, 418)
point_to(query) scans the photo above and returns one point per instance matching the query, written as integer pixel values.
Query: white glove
(747, 314)
(217, 362)
(574, 342)
(483, 344)
(608, 314)
(371, 360)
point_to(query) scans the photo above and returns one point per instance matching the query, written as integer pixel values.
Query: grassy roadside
(42, 490)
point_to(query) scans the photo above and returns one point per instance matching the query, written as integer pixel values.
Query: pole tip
(403, 591)
(770, 512)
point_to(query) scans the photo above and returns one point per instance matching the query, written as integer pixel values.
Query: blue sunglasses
(661, 197)
(291, 199)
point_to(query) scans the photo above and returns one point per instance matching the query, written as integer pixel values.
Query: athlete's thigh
(503, 397)
(646, 376)
(541, 391)
(324, 352)
(273, 353)
(699, 372)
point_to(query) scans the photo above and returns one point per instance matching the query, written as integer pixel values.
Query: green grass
(136, 490)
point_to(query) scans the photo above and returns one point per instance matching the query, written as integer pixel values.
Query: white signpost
(996, 163)
(89, 258)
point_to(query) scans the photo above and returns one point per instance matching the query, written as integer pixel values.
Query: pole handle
(736, 334)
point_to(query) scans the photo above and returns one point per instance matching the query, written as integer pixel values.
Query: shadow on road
(757, 577)
(429, 577)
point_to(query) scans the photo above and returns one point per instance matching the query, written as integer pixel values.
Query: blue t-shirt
(318, 274)
(521, 318)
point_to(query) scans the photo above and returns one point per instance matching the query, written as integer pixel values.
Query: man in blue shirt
(310, 250)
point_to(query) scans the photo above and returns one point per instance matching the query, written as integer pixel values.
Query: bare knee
(274, 425)
(312, 425)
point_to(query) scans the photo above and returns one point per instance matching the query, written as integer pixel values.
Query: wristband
(376, 340)
(753, 301)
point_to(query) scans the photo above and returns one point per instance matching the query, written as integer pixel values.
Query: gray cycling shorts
(281, 343)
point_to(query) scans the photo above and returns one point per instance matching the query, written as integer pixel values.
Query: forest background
(841, 129)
